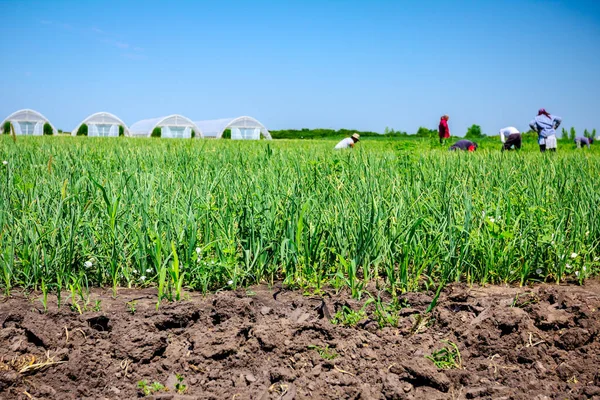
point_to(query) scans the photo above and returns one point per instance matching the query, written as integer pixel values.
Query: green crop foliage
(209, 215)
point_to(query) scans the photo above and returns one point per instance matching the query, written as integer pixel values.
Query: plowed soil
(540, 342)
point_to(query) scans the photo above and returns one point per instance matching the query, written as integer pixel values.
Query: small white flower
(143, 278)
(538, 271)
(88, 264)
(5, 162)
(596, 259)
(568, 266)
(198, 250)
(135, 271)
(584, 268)
(587, 233)
(230, 282)
(492, 220)
(148, 271)
(576, 273)
(553, 243)
(573, 255)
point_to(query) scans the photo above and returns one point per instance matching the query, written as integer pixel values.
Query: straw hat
(356, 137)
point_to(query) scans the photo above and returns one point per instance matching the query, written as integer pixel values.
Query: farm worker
(443, 129)
(511, 137)
(348, 142)
(580, 141)
(465, 145)
(545, 125)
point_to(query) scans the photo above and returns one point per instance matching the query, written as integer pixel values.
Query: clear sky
(307, 63)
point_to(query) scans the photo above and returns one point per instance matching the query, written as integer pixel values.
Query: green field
(207, 215)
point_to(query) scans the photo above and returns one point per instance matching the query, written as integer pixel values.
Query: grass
(211, 215)
(448, 357)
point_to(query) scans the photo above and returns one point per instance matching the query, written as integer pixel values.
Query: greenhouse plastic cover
(216, 127)
(146, 126)
(25, 118)
(102, 118)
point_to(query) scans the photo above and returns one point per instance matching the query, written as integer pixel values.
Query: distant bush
(121, 130)
(156, 132)
(193, 133)
(227, 134)
(594, 133)
(572, 134)
(390, 132)
(474, 132)
(83, 130)
(426, 132)
(319, 133)
(565, 134)
(6, 128)
(48, 129)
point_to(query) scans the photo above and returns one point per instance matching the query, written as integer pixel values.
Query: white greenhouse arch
(242, 128)
(27, 122)
(172, 126)
(103, 124)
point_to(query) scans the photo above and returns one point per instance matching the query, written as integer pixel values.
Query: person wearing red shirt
(444, 131)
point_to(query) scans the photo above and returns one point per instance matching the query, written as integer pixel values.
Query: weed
(180, 387)
(325, 352)
(420, 323)
(447, 357)
(131, 306)
(525, 299)
(149, 389)
(348, 317)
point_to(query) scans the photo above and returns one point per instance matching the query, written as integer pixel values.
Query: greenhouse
(27, 122)
(102, 124)
(242, 128)
(173, 126)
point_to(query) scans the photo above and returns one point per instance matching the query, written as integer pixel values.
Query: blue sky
(315, 64)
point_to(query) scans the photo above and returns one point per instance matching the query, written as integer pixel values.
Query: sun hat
(356, 136)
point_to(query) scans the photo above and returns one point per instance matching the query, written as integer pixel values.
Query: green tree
(6, 128)
(565, 133)
(156, 132)
(594, 133)
(121, 130)
(586, 133)
(474, 132)
(572, 133)
(83, 130)
(193, 133)
(48, 129)
(227, 134)
(425, 132)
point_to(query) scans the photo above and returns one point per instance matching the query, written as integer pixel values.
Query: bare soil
(539, 342)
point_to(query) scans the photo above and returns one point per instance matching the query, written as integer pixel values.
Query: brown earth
(259, 344)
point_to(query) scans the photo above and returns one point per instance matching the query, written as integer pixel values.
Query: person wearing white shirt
(348, 142)
(511, 137)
